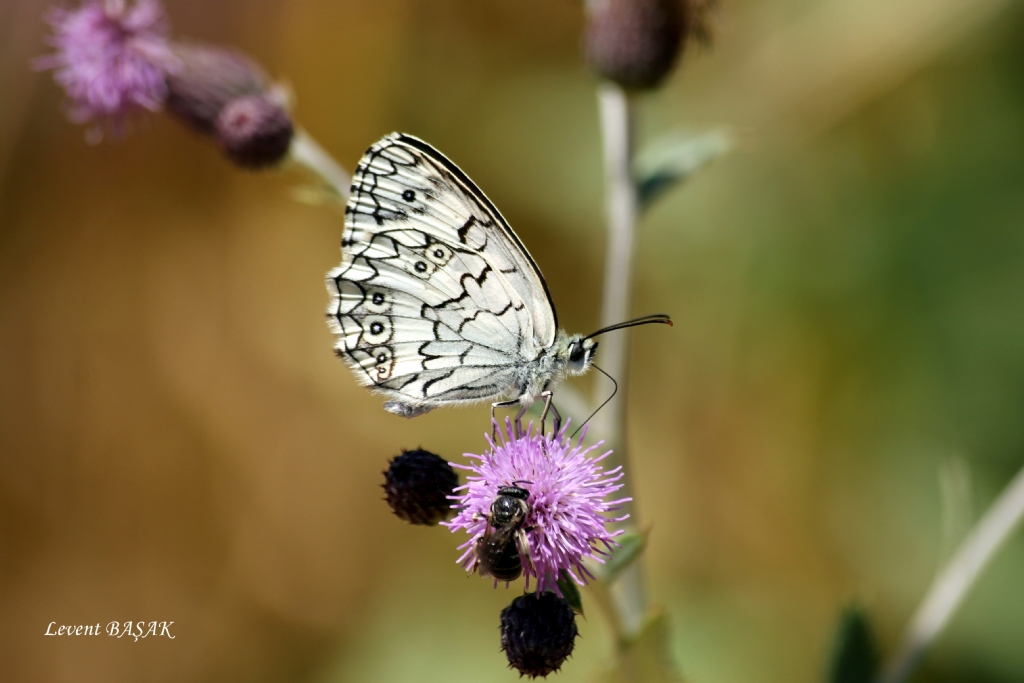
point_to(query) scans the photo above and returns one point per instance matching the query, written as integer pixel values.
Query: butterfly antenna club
(643, 320)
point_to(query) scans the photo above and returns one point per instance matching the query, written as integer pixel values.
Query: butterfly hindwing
(435, 301)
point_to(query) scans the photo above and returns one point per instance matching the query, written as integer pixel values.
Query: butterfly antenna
(643, 320)
(614, 391)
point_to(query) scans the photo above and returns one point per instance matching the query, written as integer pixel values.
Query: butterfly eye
(577, 353)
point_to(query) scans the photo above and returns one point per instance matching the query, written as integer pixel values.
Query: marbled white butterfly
(436, 301)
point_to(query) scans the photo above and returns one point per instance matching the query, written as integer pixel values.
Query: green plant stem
(617, 112)
(951, 585)
(307, 153)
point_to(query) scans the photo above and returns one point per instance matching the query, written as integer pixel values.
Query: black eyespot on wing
(377, 330)
(385, 363)
(438, 254)
(408, 195)
(375, 299)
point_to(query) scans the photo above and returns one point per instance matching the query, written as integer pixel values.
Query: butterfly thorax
(568, 355)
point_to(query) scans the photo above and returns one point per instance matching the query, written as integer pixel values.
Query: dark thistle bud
(206, 79)
(254, 131)
(636, 43)
(417, 485)
(224, 94)
(538, 632)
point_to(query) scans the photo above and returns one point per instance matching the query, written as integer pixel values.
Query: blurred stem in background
(951, 585)
(307, 153)
(633, 45)
(617, 112)
(642, 631)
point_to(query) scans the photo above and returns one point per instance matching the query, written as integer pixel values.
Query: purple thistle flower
(567, 502)
(112, 59)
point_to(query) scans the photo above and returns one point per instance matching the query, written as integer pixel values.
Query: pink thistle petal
(568, 518)
(111, 59)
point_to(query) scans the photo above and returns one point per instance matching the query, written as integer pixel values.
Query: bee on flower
(536, 503)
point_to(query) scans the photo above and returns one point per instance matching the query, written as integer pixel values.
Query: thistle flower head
(224, 94)
(567, 502)
(209, 78)
(417, 485)
(538, 633)
(111, 58)
(636, 43)
(255, 131)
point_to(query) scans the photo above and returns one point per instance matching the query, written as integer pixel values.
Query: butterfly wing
(436, 300)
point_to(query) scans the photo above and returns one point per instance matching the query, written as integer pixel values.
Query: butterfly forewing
(435, 300)
(486, 231)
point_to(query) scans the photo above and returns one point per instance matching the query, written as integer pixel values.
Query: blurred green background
(841, 396)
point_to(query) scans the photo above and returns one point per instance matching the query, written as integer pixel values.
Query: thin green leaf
(571, 593)
(854, 654)
(631, 545)
(675, 158)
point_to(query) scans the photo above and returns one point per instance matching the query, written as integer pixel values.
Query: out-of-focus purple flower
(636, 43)
(112, 59)
(255, 132)
(568, 500)
(222, 93)
(210, 76)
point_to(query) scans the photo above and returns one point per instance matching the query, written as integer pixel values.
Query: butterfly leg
(519, 420)
(494, 421)
(544, 413)
(549, 406)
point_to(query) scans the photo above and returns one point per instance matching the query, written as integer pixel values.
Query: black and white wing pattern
(436, 301)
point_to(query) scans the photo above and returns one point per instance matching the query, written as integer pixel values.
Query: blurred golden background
(841, 395)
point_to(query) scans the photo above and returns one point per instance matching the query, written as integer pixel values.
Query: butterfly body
(436, 301)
